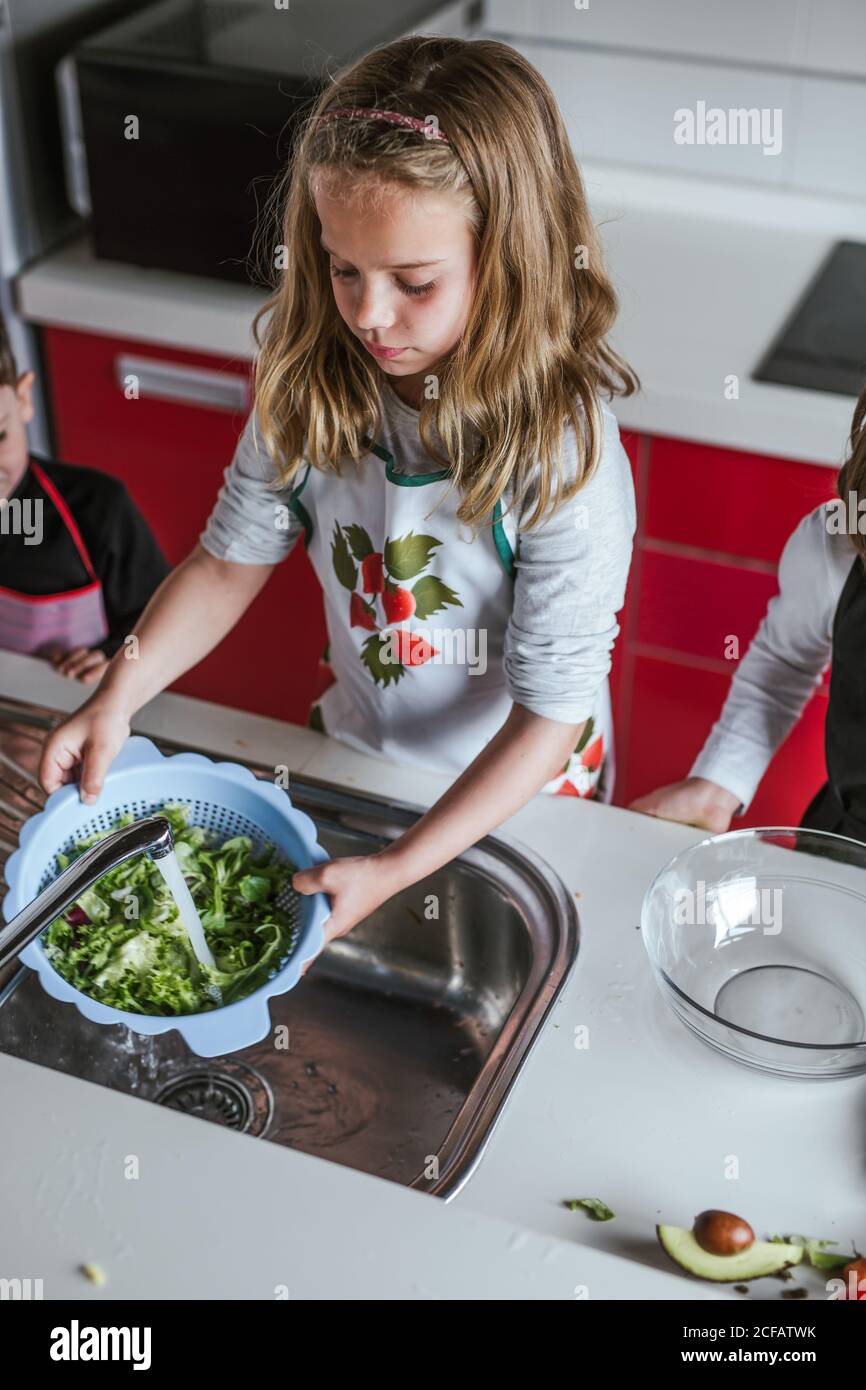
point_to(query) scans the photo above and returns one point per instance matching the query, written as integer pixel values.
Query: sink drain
(235, 1097)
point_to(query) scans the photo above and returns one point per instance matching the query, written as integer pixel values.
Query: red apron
(50, 624)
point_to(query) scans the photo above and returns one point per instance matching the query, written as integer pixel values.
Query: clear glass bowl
(758, 942)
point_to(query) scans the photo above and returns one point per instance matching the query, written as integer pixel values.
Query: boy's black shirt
(123, 551)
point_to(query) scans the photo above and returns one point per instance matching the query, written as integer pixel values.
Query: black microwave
(178, 119)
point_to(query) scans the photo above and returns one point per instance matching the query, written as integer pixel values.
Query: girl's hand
(82, 663)
(89, 738)
(356, 887)
(694, 801)
(512, 767)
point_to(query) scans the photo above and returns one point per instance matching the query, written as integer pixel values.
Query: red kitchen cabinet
(730, 502)
(618, 677)
(675, 704)
(697, 606)
(171, 454)
(711, 527)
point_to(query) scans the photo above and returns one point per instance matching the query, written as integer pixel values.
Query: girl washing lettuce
(428, 418)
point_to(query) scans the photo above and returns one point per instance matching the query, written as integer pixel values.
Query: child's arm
(190, 613)
(772, 685)
(130, 566)
(527, 752)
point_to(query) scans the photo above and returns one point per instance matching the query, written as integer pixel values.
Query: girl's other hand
(89, 739)
(355, 886)
(82, 663)
(694, 801)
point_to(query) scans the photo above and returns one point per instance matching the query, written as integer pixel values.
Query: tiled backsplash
(621, 69)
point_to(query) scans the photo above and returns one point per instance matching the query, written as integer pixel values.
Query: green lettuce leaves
(124, 943)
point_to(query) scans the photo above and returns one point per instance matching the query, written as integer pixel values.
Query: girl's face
(403, 274)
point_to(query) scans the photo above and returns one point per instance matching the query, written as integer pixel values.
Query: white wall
(621, 68)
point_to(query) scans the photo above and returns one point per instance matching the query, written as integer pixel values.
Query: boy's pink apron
(46, 624)
(417, 611)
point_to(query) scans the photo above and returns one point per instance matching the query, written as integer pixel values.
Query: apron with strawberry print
(417, 610)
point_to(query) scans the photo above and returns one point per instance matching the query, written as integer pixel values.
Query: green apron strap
(300, 510)
(502, 543)
(378, 450)
(403, 479)
(500, 539)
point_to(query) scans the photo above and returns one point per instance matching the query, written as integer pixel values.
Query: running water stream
(170, 870)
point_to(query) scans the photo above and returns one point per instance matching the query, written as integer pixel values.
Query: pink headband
(393, 117)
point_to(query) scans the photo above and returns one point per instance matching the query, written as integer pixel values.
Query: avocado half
(762, 1257)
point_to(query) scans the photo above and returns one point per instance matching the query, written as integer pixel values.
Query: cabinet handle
(174, 381)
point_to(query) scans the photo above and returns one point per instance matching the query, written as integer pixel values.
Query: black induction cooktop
(823, 344)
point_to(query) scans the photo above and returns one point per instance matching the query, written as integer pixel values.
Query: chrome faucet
(151, 836)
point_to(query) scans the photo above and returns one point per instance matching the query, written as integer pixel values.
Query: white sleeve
(785, 661)
(251, 522)
(570, 577)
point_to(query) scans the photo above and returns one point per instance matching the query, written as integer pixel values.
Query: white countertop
(706, 272)
(645, 1118)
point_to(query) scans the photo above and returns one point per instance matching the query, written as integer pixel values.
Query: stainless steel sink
(399, 1048)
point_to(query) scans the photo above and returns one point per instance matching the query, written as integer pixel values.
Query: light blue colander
(223, 797)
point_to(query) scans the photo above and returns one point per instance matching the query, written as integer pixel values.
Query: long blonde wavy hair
(533, 355)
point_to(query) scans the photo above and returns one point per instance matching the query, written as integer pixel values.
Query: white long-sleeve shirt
(786, 660)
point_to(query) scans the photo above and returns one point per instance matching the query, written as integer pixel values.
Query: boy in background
(78, 562)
